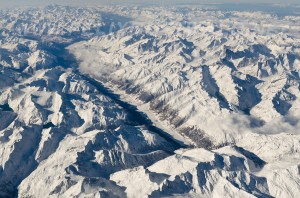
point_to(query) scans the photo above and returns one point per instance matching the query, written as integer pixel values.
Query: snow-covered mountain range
(148, 102)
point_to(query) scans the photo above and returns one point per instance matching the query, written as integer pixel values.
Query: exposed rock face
(232, 92)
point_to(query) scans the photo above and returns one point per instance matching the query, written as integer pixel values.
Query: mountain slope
(171, 107)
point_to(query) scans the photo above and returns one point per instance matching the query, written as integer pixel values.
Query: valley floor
(148, 102)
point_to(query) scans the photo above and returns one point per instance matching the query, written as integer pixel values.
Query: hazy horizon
(158, 2)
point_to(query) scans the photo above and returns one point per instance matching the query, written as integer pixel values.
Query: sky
(5, 3)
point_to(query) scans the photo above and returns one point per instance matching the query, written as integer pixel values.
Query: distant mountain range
(119, 101)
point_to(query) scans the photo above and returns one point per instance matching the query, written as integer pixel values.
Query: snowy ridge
(232, 91)
(193, 76)
(61, 108)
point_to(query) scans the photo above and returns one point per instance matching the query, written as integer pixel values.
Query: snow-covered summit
(183, 102)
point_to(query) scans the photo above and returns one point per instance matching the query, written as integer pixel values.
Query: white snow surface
(224, 83)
